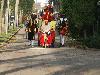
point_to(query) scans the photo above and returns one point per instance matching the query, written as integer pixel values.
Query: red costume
(47, 17)
(47, 14)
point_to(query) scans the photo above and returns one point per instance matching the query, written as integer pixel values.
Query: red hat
(49, 6)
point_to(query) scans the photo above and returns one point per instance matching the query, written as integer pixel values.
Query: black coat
(31, 31)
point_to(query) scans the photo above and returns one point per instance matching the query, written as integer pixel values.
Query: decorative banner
(53, 24)
(45, 28)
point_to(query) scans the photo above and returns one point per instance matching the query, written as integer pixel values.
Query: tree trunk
(7, 17)
(93, 30)
(6, 21)
(1, 19)
(20, 16)
(85, 35)
(16, 12)
(8, 13)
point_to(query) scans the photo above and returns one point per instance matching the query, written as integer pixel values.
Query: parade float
(47, 29)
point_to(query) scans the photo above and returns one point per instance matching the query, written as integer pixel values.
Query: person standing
(31, 32)
(63, 32)
(26, 27)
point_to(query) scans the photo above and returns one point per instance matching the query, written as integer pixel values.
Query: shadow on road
(72, 63)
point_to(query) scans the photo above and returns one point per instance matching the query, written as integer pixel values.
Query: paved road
(20, 59)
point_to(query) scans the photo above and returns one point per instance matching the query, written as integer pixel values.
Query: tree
(1, 13)
(26, 6)
(81, 15)
(13, 7)
(16, 12)
(7, 17)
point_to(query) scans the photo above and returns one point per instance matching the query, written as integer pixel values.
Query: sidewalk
(20, 59)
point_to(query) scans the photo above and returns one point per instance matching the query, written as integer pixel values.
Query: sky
(42, 1)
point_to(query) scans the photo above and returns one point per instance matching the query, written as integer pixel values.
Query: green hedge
(93, 42)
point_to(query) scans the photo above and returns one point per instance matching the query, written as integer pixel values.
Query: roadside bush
(93, 42)
(4, 37)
